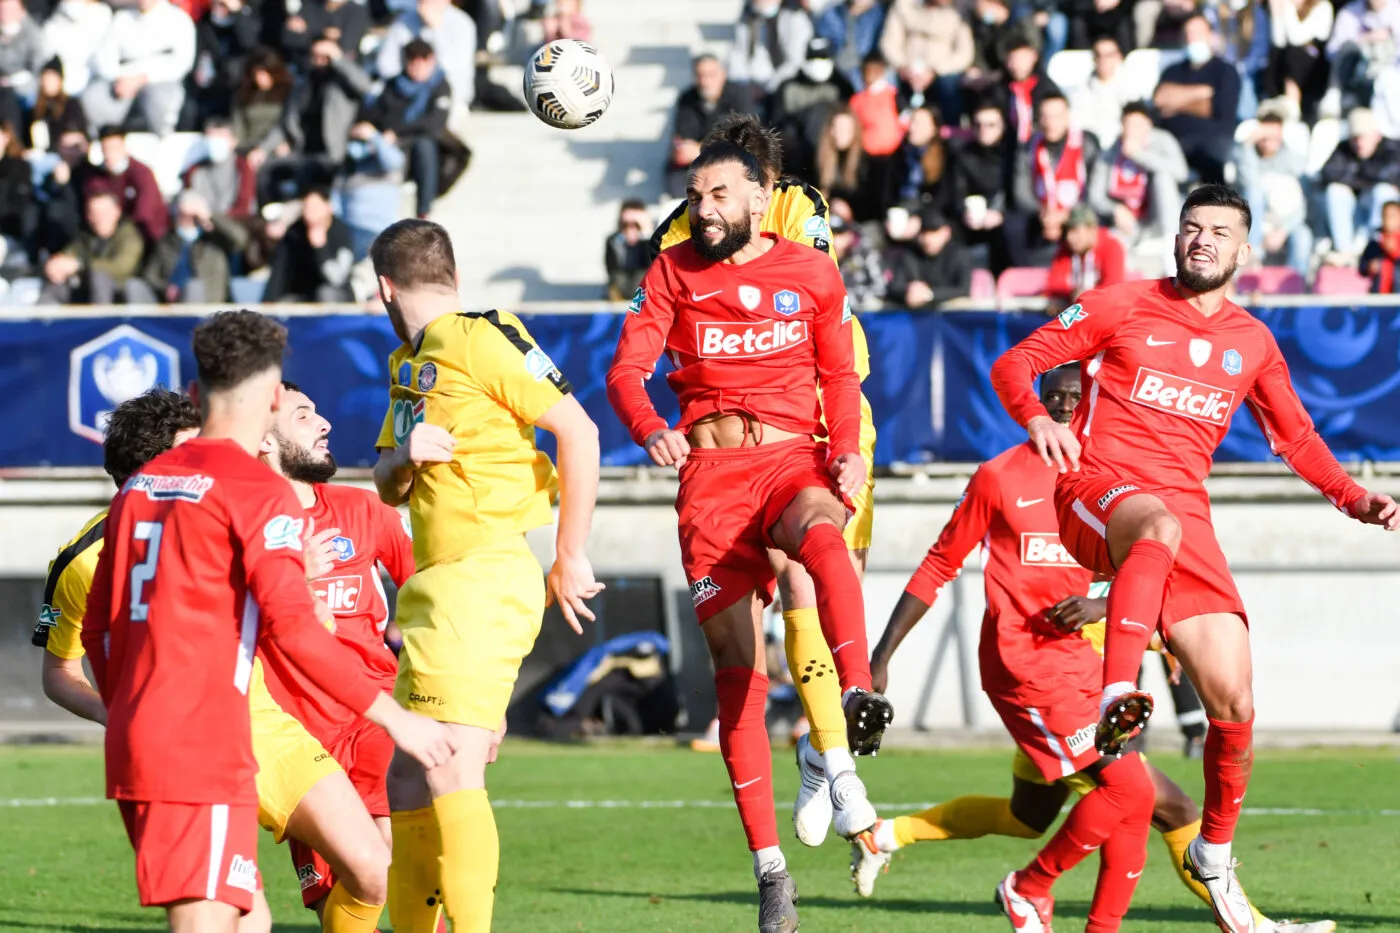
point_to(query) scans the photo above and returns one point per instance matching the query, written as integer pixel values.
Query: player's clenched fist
(428, 443)
(849, 472)
(569, 583)
(1055, 443)
(426, 740)
(668, 448)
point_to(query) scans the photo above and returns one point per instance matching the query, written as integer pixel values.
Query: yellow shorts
(290, 761)
(1022, 767)
(862, 523)
(466, 627)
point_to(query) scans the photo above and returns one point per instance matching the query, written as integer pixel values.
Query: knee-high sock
(1134, 606)
(471, 856)
(1121, 860)
(415, 886)
(1229, 757)
(1177, 840)
(814, 673)
(967, 817)
(743, 743)
(1124, 791)
(840, 602)
(345, 914)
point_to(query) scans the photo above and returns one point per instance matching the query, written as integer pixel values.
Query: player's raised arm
(648, 321)
(1286, 423)
(965, 530)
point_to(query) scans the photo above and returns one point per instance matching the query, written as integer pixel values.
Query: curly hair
(748, 133)
(233, 346)
(143, 428)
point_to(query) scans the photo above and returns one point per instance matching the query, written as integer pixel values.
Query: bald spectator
(929, 41)
(1198, 100)
(770, 45)
(698, 109)
(142, 63)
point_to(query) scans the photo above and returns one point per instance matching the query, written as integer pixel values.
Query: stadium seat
(1341, 280)
(1023, 282)
(176, 153)
(1272, 280)
(244, 290)
(1326, 134)
(1070, 68)
(984, 285)
(23, 292)
(1143, 68)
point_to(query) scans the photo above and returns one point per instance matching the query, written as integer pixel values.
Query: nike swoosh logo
(1151, 342)
(1135, 874)
(738, 786)
(1027, 503)
(1239, 798)
(695, 297)
(842, 645)
(1087, 848)
(1138, 624)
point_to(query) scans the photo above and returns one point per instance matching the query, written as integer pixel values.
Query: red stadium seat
(1339, 280)
(1271, 280)
(1024, 282)
(984, 285)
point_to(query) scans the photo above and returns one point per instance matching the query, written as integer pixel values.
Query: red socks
(743, 743)
(840, 603)
(1229, 756)
(1116, 816)
(1134, 606)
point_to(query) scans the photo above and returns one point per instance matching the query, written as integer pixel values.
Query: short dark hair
(291, 386)
(231, 347)
(747, 132)
(1218, 196)
(418, 49)
(632, 204)
(722, 152)
(1389, 205)
(1140, 108)
(110, 130)
(1049, 96)
(142, 428)
(415, 253)
(1064, 369)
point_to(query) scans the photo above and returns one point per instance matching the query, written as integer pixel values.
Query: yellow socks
(345, 914)
(471, 855)
(1177, 840)
(962, 818)
(814, 673)
(415, 891)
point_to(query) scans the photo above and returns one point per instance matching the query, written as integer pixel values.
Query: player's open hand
(1055, 443)
(668, 448)
(429, 443)
(495, 747)
(317, 551)
(569, 583)
(428, 741)
(1075, 612)
(849, 471)
(1376, 508)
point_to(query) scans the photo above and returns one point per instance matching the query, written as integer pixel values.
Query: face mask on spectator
(11, 29)
(218, 148)
(188, 234)
(357, 149)
(818, 69)
(1198, 53)
(118, 167)
(768, 10)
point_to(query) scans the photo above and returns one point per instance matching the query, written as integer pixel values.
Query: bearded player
(1169, 362)
(333, 823)
(753, 324)
(798, 212)
(1036, 670)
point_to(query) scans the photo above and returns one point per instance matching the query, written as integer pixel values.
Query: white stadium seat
(1070, 68)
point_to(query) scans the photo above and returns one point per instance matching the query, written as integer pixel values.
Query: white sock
(814, 758)
(1215, 854)
(1113, 692)
(837, 760)
(885, 839)
(766, 860)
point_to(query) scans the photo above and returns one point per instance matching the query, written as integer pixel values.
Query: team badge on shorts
(1071, 316)
(786, 302)
(344, 548)
(427, 377)
(1232, 362)
(749, 296)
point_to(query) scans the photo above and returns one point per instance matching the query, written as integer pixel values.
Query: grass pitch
(626, 838)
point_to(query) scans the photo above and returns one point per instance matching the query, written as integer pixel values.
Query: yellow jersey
(482, 377)
(60, 627)
(796, 212)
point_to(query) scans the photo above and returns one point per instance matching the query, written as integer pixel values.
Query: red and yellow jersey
(60, 627)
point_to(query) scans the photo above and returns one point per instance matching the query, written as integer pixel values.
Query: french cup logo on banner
(114, 368)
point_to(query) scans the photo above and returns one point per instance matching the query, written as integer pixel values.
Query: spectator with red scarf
(1381, 260)
(1135, 188)
(1049, 178)
(1026, 85)
(1089, 257)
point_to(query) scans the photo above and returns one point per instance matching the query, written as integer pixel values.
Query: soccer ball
(568, 84)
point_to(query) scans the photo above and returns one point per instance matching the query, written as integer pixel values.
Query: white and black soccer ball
(568, 84)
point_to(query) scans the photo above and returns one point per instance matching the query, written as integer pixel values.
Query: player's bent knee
(1162, 526)
(367, 873)
(1233, 705)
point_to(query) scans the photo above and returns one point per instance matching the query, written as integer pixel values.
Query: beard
(1202, 282)
(302, 464)
(736, 237)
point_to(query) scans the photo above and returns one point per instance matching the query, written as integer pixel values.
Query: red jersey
(754, 338)
(1161, 382)
(371, 533)
(201, 562)
(1009, 510)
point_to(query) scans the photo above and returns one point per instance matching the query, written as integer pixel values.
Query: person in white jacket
(74, 32)
(142, 62)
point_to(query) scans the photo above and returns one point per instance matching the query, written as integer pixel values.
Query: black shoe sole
(870, 714)
(1125, 717)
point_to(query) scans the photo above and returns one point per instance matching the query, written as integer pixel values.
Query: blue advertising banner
(928, 388)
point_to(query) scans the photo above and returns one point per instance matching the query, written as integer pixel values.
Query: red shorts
(193, 851)
(1200, 581)
(364, 751)
(1057, 735)
(729, 499)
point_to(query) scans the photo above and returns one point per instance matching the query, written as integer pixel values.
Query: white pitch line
(17, 802)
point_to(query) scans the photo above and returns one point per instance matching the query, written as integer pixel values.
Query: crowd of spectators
(1061, 135)
(162, 150)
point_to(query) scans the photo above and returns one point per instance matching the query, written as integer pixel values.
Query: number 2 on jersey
(144, 572)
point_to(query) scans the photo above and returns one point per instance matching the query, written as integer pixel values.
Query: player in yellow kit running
(798, 212)
(458, 445)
